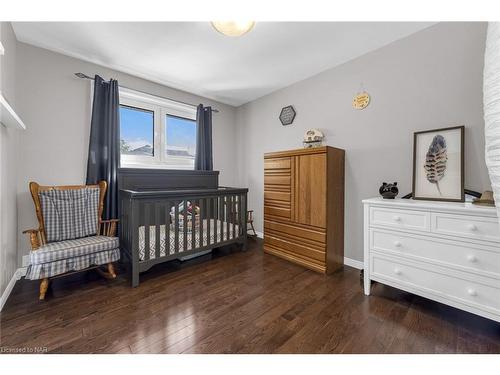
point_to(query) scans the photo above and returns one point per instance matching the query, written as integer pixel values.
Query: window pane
(136, 131)
(181, 142)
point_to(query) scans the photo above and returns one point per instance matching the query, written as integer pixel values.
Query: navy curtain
(204, 159)
(104, 147)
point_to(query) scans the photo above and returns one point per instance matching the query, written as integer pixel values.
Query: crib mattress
(222, 235)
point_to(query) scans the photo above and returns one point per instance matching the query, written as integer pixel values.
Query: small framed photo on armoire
(438, 164)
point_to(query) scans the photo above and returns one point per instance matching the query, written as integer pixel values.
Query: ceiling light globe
(233, 28)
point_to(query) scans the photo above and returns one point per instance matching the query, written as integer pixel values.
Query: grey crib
(153, 230)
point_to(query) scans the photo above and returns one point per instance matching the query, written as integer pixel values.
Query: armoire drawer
(448, 252)
(403, 219)
(294, 230)
(281, 196)
(281, 212)
(313, 264)
(274, 179)
(301, 249)
(277, 163)
(438, 284)
(482, 228)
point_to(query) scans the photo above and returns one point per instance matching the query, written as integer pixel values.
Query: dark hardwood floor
(236, 302)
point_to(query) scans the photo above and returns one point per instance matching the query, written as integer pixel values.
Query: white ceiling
(192, 56)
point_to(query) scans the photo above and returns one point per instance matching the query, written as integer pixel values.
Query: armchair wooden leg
(107, 275)
(44, 285)
(111, 270)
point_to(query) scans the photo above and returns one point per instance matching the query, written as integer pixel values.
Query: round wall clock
(361, 100)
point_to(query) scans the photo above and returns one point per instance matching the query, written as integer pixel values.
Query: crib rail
(157, 226)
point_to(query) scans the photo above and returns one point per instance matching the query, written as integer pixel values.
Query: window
(136, 131)
(156, 132)
(180, 135)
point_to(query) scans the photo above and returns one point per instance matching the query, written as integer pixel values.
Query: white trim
(2, 50)
(20, 272)
(8, 116)
(366, 249)
(353, 263)
(175, 108)
(259, 234)
(8, 290)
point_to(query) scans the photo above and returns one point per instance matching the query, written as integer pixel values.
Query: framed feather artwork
(438, 164)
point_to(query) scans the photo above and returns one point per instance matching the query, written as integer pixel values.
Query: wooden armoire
(304, 207)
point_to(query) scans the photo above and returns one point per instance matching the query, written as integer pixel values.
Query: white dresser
(447, 252)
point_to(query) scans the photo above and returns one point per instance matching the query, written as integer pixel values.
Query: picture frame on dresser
(438, 164)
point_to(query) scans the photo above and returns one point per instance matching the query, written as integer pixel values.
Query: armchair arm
(35, 239)
(108, 227)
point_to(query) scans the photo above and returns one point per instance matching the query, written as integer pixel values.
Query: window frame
(160, 107)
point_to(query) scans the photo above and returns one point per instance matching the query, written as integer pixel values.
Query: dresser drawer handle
(472, 227)
(397, 218)
(398, 244)
(472, 258)
(471, 292)
(397, 271)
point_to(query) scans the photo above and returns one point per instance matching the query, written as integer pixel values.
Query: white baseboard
(20, 272)
(259, 234)
(353, 263)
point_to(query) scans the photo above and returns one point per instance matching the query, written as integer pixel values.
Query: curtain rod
(84, 76)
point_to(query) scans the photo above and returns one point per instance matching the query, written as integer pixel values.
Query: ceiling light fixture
(233, 28)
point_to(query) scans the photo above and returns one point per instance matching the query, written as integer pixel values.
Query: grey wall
(428, 80)
(431, 79)
(56, 109)
(8, 162)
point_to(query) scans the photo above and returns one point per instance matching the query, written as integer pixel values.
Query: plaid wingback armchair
(71, 236)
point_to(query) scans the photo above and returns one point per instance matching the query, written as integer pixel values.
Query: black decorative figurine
(388, 191)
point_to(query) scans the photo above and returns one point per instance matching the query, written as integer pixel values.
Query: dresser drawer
(483, 228)
(447, 252)
(277, 163)
(418, 277)
(404, 219)
(296, 231)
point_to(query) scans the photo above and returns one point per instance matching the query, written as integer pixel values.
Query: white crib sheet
(222, 235)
